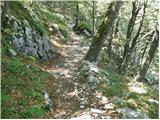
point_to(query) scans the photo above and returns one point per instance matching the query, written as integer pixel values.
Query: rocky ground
(71, 98)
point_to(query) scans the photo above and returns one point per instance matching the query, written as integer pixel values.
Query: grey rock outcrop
(128, 113)
(117, 100)
(29, 41)
(93, 73)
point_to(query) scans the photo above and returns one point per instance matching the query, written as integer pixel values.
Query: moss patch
(82, 25)
(19, 11)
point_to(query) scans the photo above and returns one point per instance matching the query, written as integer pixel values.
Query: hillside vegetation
(79, 60)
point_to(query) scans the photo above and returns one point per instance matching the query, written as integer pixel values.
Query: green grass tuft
(51, 17)
(118, 87)
(21, 86)
(84, 25)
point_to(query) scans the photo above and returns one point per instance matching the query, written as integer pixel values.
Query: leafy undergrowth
(50, 17)
(45, 17)
(22, 14)
(140, 101)
(136, 101)
(22, 85)
(118, 85)
(83, 25)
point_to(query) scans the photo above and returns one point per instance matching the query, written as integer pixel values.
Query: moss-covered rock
(29, 35)
(21, 12)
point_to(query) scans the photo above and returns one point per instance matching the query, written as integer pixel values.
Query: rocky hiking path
(61, 88)
(70, 98)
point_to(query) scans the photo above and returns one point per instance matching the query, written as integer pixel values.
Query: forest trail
(70, 98)
(61, 89)
(44, 75)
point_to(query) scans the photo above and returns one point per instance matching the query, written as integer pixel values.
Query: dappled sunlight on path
(61, 87)
(70, 98)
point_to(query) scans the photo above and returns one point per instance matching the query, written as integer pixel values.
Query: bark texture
(145, 65)
(131, 43)
(4, 11)
(104, 31)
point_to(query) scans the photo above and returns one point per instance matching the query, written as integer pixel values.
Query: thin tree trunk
(145, 65)
(134, 41)
(130, 28)
(113, 35)
(93, 19)
(104, 31)
(4, 11)
(116, 28)
(77, 17)
(144, 51)
(110, 48)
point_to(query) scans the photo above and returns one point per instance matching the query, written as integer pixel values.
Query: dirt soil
(62, 83)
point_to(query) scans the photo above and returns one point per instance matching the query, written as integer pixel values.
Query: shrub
(115, 90)
(33, 111)
(84, 25)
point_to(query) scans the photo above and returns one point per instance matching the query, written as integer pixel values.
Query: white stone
(153, 101)
(12, 52)
(81, 106)
(96, 110)
(109, 106)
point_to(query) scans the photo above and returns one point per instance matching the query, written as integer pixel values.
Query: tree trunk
(128, 51)
(93, 19)
(116, 28)
(146, 45)
(113, 35)
(150, 55)
(104, 31)
(77, 17)
(130, 28)
(110, 48)
(4, 11)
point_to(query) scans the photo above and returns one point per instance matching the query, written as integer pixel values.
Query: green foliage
(153, 93)
(153, 111)
(133, 95)
(5, 98)
(84, 25)
(14, 66)
(118, 87)
(23, 82)
(5, 38)
(38, 26)
(53, 17)
(7, 31)
(18, 10)
(33, 58)
(115, 90)
(22, 87)
(34, 112)
(140, 101)
(64, 31)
